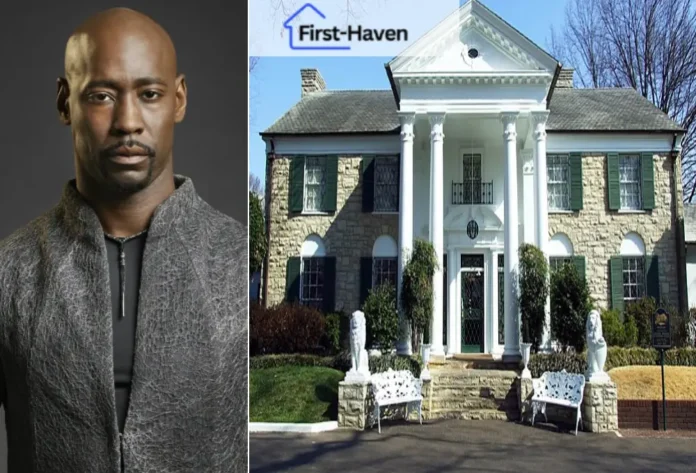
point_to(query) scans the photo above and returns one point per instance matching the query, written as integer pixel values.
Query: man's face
(123, 101)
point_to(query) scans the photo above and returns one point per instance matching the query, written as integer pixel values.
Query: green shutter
(616, 283)
(329, 202)
(579, 262)
(652, 277)
(648, 175)
(292, 279)
(296, 193)
(368, 184)
(575, 165)
(329, 296)
(613, 181)
(365, 278)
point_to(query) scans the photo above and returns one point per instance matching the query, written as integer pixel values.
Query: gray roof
(340, 111)
(374, 111)
(690, 223)
(605, 110)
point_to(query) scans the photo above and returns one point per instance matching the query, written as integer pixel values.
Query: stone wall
(352, 403)
(600, 408)
(348, 234)
(596, 233)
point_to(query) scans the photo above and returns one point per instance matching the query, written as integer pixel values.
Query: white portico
(472, 97)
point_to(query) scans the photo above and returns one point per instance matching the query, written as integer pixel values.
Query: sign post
(662, 340)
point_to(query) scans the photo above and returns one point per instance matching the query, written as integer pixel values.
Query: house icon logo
(312, 34)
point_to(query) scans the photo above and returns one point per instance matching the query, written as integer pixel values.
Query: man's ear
(62, 101)
(181, 98)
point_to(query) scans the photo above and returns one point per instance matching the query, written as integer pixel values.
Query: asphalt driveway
(476, 446)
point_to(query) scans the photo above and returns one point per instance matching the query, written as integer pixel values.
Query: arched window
(633, 258)
(560, 251)
(312, 271)
(384, 261)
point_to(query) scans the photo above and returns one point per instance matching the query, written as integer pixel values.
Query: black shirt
(125, 258)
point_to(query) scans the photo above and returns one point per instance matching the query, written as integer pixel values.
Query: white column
(528, 217)
(405, 219)
(542, 205)
(436, 226)
(453, 345)
(494, 301)
(512, 335)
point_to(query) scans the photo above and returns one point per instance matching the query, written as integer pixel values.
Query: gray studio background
(210, 145)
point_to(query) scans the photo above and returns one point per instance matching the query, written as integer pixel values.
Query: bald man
(123, 310)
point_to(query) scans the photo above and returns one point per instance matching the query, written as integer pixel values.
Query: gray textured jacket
(188, 407)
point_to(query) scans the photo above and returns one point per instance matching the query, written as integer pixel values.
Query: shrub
(332, 333)
(417, 289)
(379, 364)
(257, 234)
(534, 289)
(571, 362)
(613, 329)
(616, 357)
(286, 328)
(641, 311)
(381, 317)
(570, 304)
(276, 361)
(630, 332)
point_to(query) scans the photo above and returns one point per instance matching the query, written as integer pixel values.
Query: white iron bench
(559, 388)
(395, 387)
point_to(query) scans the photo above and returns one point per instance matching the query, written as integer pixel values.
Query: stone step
(473, 392)
(468, 404)
(472, 414)
(471, 382)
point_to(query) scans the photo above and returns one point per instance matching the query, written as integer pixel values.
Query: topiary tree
(417, 289)
(257, 234)
(641, 311)
(534, 290)
(570, 304)
(381, 317)
(630, 332)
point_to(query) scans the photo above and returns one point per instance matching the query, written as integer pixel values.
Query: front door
(473, 303)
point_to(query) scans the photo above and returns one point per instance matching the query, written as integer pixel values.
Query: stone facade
(349, 234)
(596, 232)
(600, 411)
(352, 402)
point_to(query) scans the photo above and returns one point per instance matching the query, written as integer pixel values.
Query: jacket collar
(81, 220)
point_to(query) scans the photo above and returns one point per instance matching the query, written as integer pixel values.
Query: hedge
(616, 357)
(339, 362)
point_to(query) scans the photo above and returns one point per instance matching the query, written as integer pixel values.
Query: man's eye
(151, 94)
(100, 97)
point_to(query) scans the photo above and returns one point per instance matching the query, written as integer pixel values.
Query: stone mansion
(482, 143)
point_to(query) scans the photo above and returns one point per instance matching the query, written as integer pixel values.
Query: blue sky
(274, 85)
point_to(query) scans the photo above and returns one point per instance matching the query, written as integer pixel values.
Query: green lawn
(294, 394)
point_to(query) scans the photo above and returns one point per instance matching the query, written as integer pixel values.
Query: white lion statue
(596, 349)
(360, 369)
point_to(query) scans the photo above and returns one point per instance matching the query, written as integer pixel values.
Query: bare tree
(649, 45)
(255, 185)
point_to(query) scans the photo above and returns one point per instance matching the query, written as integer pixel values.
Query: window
(312, 272)
(314, 183)
(384, 261)
(557, 262)
(471, 165)
(386, 184)
(630, 182)
(558, 181)
(633, 267)
(633, 278)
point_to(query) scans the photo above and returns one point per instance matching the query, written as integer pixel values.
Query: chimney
(565, 79)
(312, 81)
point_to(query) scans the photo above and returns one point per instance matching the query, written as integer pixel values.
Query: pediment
(473, 40)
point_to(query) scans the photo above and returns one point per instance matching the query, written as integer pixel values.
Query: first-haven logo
(311, 37)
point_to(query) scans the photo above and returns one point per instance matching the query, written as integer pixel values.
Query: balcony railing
(472, 193)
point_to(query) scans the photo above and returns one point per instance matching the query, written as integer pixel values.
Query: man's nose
(128, 118)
